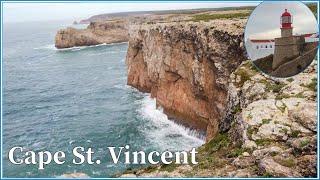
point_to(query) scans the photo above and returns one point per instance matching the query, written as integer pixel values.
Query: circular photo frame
(281, 38)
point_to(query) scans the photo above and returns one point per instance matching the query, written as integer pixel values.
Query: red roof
(286, 13)
(271, 40)
(262, 40)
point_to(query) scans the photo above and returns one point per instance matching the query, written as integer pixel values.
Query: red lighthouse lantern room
(286, 20)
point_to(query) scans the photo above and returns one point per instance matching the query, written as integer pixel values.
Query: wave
(47, 47)
(76, 48)
(167, 134)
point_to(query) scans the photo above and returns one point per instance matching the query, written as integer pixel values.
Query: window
(270, 46)
(257, 47)
(266, 46)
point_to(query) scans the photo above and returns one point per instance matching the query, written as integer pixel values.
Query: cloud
(22, 12)
(264, 22)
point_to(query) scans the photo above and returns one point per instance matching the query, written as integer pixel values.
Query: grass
(236, 152)
(295, 133)
(262, 142)
(282, 108)
(244, 76)
(311, 86)
(290, 79)
(208, 17)
(222, 140)
(251, 130)
(288, 162)
(274, 87)
(304, 143)
(266, 121)
(237, 109)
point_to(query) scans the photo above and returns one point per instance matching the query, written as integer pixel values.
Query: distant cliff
(95, 33)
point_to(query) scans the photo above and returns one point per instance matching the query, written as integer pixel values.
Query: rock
(75, 175)
(246, 154)
(241, 173)
(96, 33)
(304, 144)
(305, 114)
(268, 166)
(267, 151)
(308, 165)
(244, 162)
(189, 61)
(128, 176)
(249, 144)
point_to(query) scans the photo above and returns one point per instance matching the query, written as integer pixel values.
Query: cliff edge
(186, 67)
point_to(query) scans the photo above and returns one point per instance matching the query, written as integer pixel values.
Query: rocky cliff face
(95, 33)
(269, 130)
(256, 126)
(186, 67)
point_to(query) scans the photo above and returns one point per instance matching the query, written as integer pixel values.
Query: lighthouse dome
(286, 13)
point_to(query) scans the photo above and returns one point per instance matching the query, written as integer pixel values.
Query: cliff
(186, 67)
(269, 130)
(256, 126)
(95, 33)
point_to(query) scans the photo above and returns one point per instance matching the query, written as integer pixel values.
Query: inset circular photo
(281, 38)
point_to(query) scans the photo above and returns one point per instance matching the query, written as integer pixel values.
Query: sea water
(56, 100)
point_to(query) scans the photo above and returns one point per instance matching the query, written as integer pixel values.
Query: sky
(25, 12)
(264, 22)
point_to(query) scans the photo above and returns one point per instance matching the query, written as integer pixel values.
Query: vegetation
(251, 130)
(263, 142)
(304, 143)
(222, 140)
(266, 121)
(236, 152)
(313, 8)
(288, 162)
(208, 17)
(274, 87)
(244, 76)
(311, 86)
(290, 79)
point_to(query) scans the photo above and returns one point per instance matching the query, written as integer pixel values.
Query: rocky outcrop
(95, 33)
(186, 67)
(270, 130)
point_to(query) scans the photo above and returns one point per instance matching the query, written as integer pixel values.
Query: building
(286, 48)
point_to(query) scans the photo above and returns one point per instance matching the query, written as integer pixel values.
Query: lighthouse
(288, 46)
(286, 24)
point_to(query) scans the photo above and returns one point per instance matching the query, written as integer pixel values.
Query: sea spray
(166, 133)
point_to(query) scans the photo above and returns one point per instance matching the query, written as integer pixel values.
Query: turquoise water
(56, 100)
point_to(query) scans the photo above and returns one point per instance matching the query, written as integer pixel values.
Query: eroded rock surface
(186, 67)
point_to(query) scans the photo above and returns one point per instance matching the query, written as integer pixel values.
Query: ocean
(56, 100)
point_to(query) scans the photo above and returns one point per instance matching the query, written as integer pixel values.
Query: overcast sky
(264, 22)
(24, 12)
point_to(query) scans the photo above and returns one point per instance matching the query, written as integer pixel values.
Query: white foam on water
(76, 48)
(48, 47)
(167, 134)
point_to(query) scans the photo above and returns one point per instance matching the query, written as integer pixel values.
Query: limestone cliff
(95, 33)
(269, 130)
(256, 126)
(186, 67)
